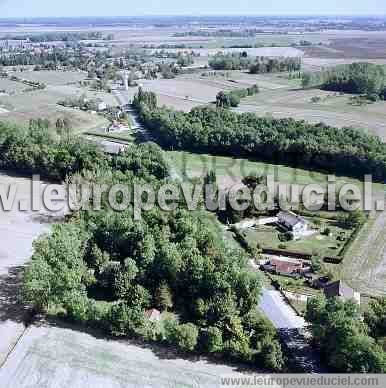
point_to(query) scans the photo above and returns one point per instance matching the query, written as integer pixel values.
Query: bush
(212, 340)
(186, 336)
(271, 356)
(285, 237)
(125, 320)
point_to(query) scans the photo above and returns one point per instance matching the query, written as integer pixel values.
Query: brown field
(364, 266)
(195, 90)
(318, 63)
(370, 46)
(187, 91)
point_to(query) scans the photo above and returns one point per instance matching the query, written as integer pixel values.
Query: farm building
(285, 266)
(340, 290)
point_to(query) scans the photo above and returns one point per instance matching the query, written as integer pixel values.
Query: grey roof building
(340, 290)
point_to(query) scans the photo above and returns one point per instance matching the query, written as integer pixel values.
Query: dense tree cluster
(343, 338)
(258, 65)
(40, 150)
(345, 151)
(49, 60)
(357, 78)
(375, 318)
(185, 60)
(81, 102)
(233, 97)
(105, 269)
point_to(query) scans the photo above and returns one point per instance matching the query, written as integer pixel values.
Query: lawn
(268, 237)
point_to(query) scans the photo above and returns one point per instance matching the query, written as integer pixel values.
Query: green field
(231, 170)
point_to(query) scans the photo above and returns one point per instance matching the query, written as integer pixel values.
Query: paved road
(279, 312)
(292, 330)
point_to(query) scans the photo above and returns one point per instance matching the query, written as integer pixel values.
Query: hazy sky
(30, 8)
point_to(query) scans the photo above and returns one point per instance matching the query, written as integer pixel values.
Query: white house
(293, 223)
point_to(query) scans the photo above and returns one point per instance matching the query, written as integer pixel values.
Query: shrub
(186, 336)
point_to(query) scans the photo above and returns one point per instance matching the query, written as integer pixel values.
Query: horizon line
(197, 15)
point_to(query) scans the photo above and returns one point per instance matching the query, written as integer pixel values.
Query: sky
(73, 8)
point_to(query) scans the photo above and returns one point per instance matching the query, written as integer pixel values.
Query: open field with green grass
(50, 357)
(230, 170)
(295, 285)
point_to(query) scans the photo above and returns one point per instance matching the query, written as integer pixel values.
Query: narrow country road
(292, 330)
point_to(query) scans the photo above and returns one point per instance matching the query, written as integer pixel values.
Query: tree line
(346, 151)
(356, 78)
(233, 98)
(258, 65)
(56, 36)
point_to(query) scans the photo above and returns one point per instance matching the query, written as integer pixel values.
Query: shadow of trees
(11, 305)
